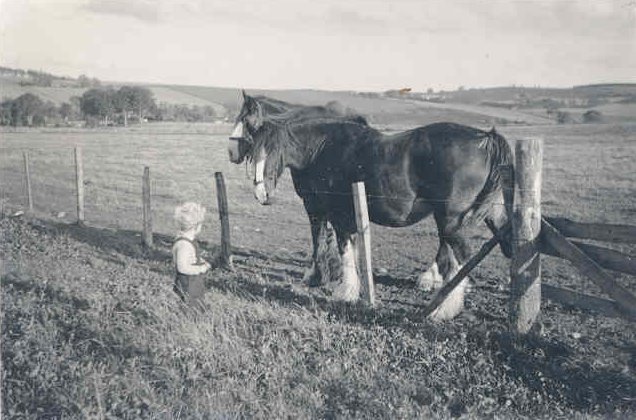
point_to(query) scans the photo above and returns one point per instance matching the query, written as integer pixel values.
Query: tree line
(100, 106)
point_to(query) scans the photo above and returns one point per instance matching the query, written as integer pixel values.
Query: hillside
(91, 328)
(481, 107)
(380, 109)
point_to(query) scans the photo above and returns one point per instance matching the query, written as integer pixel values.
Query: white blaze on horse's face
(260, 192)
(233, 143)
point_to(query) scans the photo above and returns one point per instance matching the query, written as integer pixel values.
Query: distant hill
(400, 107)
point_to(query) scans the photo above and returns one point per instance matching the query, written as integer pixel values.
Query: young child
(189, 266)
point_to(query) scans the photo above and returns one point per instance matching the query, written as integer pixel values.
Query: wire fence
(182, 166)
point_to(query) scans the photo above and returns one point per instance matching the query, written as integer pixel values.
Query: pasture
(91, 328)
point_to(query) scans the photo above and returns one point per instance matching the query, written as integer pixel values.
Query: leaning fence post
(79, 180)
(364, 241)
(525, 269)
(221, 196)
(147, 209)
(27, 176)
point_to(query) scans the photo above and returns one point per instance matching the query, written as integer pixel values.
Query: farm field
(89, 316)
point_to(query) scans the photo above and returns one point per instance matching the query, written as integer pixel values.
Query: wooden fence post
(364, 241)
(147, 209)
(27, 175)
(525, 269)
(79, 180)
(225, 257)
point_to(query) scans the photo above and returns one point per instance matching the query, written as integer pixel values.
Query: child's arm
(186, 260)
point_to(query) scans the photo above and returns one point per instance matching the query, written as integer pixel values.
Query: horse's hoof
(470, 285)
(452, 305)
(430, 280)
(312, 280)
(312, 277)
(346, 293)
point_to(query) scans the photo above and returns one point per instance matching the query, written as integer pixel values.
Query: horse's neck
(312, 141)
(304, 144)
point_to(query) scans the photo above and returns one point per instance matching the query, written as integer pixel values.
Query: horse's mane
(277, 136)
(274, 106)
(280, 119)
(294, 113)
(314, 114)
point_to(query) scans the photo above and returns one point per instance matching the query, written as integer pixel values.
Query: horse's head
(266, 135)
(245, 143)
(248, 122)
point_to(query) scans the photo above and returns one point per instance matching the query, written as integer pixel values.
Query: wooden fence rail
(624, 299)
(594, 231)
(604, 257)
(582, 301)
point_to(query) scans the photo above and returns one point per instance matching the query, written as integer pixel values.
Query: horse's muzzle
(233, 151)
(260, 193)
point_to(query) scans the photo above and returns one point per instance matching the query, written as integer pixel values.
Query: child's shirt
(185, 254)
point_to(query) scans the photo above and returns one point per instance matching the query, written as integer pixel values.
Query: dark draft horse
(448, 170)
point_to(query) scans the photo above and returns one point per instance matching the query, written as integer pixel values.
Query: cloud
(144, 10)
(575, 18)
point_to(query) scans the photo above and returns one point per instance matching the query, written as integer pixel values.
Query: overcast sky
(325, 44)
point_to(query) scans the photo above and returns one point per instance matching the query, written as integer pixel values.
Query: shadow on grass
(553, 368)
(124, 242)
(128, 243)
(407, 317)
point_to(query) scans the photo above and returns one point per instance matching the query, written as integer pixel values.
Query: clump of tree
(86, 82)
(186, 113)
(107, 105)
(30, 110)
(564, 117)
(101, 106)
(592, 116)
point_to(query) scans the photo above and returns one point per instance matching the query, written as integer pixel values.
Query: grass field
(91, 328)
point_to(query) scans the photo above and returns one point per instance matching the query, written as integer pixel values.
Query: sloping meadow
(95, 331)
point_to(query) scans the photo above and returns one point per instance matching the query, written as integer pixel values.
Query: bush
(564, 117)
(592, 116)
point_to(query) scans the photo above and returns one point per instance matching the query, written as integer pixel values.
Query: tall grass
(90, 332)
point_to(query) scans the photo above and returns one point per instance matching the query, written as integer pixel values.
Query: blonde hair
(189, 215)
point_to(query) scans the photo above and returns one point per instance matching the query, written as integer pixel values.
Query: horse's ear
(259, 115)
(244, 95)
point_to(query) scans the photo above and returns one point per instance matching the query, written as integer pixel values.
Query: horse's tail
(499, 184)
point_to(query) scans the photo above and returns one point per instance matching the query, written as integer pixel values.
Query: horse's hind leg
(349, 289)
(453, 253)
(496, 220)
(314, 275)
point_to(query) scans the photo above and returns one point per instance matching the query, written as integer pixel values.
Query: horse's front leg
(313, 275)
(431, 279)
(349, 289)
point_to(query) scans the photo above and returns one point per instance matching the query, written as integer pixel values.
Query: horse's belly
(421, 209)
(398, 213)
